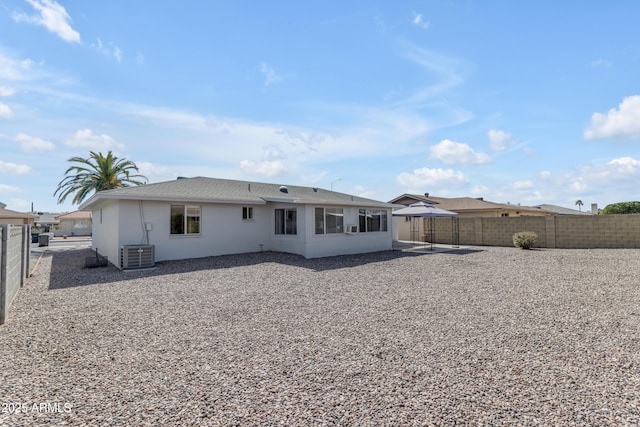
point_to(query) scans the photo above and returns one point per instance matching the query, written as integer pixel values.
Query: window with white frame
(286, 221)
(329, 220)
(185, 219)
(371, 220)
(247, 213)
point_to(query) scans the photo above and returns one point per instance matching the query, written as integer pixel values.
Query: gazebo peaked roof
(424, 209)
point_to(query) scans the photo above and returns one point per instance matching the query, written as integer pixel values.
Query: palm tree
(97, 173)
(579, 204)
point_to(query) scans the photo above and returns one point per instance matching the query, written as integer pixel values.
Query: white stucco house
(76, 223)
(200, 217)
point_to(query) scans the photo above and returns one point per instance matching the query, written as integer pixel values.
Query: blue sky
(523, 102)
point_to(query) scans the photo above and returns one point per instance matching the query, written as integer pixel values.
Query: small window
(247, 213)
(185, 219)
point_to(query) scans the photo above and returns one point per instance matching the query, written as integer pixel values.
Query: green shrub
(622, 208)
(525, 239)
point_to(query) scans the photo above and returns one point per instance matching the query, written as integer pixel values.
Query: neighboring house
(76, 223)
(560, 210)
(471, 206)
(47, 221)
(200, 217)
(465, 207)
(8, 216)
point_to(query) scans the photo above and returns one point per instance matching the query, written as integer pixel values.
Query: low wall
(14, 263)
(557, 231)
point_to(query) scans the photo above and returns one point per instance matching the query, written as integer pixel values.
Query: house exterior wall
(74, 227)
(321, 245)
(105, 230)
(295, 243)
(223, 231)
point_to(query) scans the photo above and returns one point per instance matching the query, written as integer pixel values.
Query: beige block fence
(558, 231)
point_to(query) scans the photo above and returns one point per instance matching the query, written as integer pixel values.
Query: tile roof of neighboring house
(461, 204)
(214, 190)
(75, 215)
(8, 213)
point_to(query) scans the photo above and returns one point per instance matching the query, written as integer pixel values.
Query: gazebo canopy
(423, 209)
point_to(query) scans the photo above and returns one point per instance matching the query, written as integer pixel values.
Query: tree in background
(97, 173)
(622, 208)
(579, 204)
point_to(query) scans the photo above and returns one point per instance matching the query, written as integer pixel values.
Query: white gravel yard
(484, 336)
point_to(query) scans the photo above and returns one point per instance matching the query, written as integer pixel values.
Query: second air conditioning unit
(351, 229)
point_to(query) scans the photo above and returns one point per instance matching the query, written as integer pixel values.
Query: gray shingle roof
(215, 190)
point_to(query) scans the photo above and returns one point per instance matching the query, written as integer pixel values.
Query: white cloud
(5, 111)
(523, 185)
(612, 181)
(621, 123)
(156, 173)
(625, 165)
(270, 75)
(20, 205)
(108, 50)
(5, 189)
(456, 153)
(271, 164)
(264, 168)
(85, 138)
(442, 76)
(117, 53)
(32, 143)
(448, 72)
(369, 135)
(15, 70)
(498, 139)
(52, 16)
(419, 21)
(13, 168)
(601, 63)
(425, 178)
(6, 91)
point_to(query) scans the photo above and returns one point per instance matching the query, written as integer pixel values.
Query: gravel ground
(481, 336)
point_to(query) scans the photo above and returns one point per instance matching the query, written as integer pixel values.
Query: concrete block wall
(14, 263)
(601, 231)
(498, 232)
(570, 231)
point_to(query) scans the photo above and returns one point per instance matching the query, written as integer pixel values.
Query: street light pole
(338, 179)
